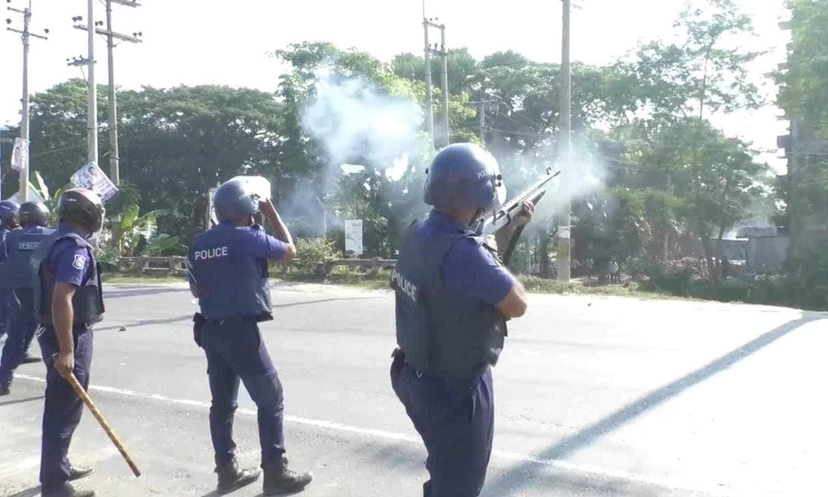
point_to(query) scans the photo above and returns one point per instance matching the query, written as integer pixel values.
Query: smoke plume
(358, 124)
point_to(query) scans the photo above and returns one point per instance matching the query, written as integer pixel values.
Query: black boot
(78, 472)
(67, 490)
(278, 479)
(231, 477)
(5, 389)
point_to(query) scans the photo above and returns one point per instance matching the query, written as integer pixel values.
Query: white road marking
(582, 469)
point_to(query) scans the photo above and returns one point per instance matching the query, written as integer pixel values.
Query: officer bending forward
(228, 274)
(67, 302)
(452, 300)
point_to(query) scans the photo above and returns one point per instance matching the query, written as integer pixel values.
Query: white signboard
(92, 178)
(20, 155)
(353, 236)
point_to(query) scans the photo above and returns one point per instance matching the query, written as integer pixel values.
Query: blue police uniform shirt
(255, 242)
(468, 268)
(71, 263)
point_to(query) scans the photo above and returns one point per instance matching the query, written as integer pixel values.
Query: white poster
(20, 155)
(92, 178)
(353, 236)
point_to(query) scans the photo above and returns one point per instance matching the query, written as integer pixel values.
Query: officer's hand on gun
(525, 214)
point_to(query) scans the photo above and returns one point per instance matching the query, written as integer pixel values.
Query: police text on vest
(404, 285)
(213, 253)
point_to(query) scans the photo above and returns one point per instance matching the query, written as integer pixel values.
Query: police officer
(67, 302)
(228, 274)
(8, 222)
(453, 298)
(16, 274)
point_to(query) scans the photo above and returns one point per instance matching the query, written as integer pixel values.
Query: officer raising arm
(453, 298)
(228, 273)
(67, 302)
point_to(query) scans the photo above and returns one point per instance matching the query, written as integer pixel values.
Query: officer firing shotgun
(453, 297)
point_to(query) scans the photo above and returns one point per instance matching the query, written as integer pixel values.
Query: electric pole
(443, 53)
(92, 93)
(114, 156)
(482, 106)
(429, 90)
(25, 35)
(93, 28)
(564, 235)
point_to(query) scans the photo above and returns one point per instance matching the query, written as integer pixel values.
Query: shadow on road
(189, 317)
(320, 301)
(29, 492)
(20, 401)
(521, 475)
(139, 291)
(146, 322)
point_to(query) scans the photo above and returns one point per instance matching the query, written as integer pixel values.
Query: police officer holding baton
(453, 298)
(16, 274)
(67, 302)
(228, 274)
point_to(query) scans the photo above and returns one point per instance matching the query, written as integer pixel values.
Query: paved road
(596, 396)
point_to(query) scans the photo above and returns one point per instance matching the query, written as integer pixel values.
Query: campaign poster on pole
(353, 236)
(92, 178)
(20, 155)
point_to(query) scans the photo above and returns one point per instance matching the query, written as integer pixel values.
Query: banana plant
(51, 200)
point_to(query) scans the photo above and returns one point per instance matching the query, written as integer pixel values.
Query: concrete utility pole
(482, 106)
(429, 90)
(92, 93)
(443, 53)
(93, 28)
(25, 35)
(564, 236)
(114, 156)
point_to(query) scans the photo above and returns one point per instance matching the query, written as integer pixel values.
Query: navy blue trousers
(6, 307)
(20, 335)
(236, 352)
(63, 408)
(456, 421)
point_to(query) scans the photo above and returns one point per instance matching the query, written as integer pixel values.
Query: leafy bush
(313, 256)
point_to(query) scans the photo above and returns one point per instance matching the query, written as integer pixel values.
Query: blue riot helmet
(33, 214)
(464, 176)
(82, 207)
(8, 214)
(238, 199)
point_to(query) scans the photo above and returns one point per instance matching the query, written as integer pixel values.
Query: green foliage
(671, 177)
(313, 256)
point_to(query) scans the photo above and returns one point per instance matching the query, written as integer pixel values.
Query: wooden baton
(76, 386)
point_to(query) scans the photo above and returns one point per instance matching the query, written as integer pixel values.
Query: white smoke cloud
(356, 123)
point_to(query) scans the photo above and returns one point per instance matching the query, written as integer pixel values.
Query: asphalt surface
(596, 396)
